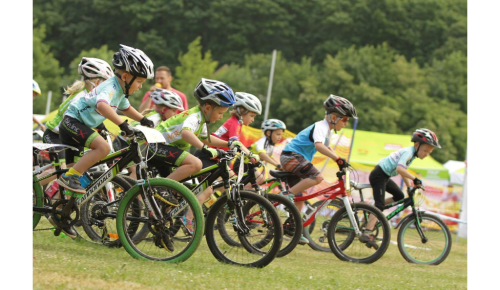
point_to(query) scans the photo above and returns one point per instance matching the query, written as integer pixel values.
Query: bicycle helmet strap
(418, 148)
(127, 85)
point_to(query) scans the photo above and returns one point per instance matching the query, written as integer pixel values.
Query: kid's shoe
(70, 232)
(287, 194)
(369, 240)
(71, 183)
(303, 240)
(188, 224)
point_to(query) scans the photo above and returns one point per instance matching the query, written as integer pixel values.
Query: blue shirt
(403, 157)
(84, 108)
(303, 143)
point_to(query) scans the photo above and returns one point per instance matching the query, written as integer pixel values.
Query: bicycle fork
(350, 213)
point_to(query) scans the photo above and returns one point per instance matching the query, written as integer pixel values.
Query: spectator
(163, 77)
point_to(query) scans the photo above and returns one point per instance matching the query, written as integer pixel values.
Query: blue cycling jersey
(304, 142)
(403, 157)
(84, 108)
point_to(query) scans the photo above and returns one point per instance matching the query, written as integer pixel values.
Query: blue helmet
(214, 91)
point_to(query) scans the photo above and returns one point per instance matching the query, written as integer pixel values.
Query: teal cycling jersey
(84, 109)
(53, 124)
(403, 158)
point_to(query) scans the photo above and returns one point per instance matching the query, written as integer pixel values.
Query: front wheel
(164, 241)
(348, 246)
(260, 218)
(433, 249)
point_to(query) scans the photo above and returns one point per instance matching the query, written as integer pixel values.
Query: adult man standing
(163, 77)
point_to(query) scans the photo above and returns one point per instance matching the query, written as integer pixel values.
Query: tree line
(403, 63)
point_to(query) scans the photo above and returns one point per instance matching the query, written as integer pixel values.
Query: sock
(72, 171)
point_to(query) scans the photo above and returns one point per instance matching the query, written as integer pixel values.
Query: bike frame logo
(98, 183)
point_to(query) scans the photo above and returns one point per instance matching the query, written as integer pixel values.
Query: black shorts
(381, 182)
(205, 159)
(49, 137)
(74, 133)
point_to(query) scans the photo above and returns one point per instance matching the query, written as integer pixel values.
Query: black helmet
(423, 135)
(339, 105)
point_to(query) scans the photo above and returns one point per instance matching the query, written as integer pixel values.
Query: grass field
(66, 264)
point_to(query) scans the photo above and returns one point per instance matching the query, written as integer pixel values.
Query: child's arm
(325, 150)
(217, 142)
(108, 112)
(405, 175)
(192, 139)
(133, 114)
(268, 159)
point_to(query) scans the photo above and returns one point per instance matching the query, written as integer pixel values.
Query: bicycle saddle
(280, 174)
(357, 186)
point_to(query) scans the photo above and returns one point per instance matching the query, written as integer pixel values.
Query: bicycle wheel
(37, 201)
(436, 247)
(261, 219)
(98, 214)
(316, 231)
(291, 222)
(164, 241)
(346, 245)
(143, 231)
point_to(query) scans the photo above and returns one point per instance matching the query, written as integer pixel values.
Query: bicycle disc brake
(161, 237)
(289, 227)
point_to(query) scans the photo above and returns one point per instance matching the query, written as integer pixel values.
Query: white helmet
(249, 102)
(167, 98)
(36, 88)
(272, 124)
(91, 68)
(133, 61)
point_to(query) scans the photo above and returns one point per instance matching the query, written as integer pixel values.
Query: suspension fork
(417, 224)
(350, 213)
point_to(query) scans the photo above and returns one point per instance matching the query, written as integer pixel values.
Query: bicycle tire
(316, 231)
(102, 230)
(246, 254)
(141, 233)
(151, 247)
(291, 222)
(38, 196)
(340, 230)
(435, 250)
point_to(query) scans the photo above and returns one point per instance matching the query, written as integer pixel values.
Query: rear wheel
(436, 246)
(261, 219)
(344, 242)
(99, 213)
(316, 231)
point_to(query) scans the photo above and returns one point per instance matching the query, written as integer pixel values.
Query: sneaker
(303, 240)
(287, 194)
(188, 224)
(369, 240)
(70, 232)
(71, 183)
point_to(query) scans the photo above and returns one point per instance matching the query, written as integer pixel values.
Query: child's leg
(303, 169)
(100, 148)
(188, 166)
(378, 180)
(397, 193)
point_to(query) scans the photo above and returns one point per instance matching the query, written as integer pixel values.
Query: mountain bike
(423, 238)
(355, 250)
(158, 196)
(231, 236)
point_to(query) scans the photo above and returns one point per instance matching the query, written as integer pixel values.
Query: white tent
(457, 171)
(458, 176)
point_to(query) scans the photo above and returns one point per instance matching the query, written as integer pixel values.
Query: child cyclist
(273, 130)
(297, 155)
(397, 163)
(166, 104)
(132, 68)
(190, 128)
(93, 71)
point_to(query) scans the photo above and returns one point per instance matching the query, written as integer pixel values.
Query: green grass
(66, 264)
